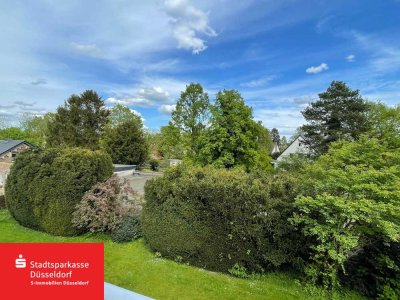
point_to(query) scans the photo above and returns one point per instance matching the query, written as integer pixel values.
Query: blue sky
(278, 54)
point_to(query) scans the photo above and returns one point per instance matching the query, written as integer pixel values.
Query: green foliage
(36, 128)
(232, 139)
(126, 143)
(263, 137)
(104, 207)
(350, 202)
(384, 123)
(79, 123)
(43, 187)
(339, 114)
(120, 114)
(191, 114)
(130, 229)
(171, 143)
(2, 201)
(14, 133)
(154, 164)
(215, 218)
(238, 271)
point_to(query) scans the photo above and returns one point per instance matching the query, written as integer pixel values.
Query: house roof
(8, 144)
(296, 139)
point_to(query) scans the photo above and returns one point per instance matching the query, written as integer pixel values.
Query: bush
(129, 230)
(44, 187)
(154, 164)
(216, 218)
(351, 211)
(104, 207)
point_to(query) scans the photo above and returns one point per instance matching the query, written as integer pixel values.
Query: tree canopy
(80, 122)
(339, 114)
(126, 143)
(191, 113)
(233, 136)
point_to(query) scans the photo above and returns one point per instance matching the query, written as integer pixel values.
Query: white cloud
(318, 69)
(87, 49)
(385, 56)
(144, 96)
(167, 108)
(350, 57)
(259, 82)
(187, 22)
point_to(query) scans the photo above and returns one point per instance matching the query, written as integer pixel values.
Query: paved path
(137, 181)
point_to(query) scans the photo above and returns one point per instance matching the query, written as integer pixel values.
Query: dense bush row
(44, 187)
(218, 218)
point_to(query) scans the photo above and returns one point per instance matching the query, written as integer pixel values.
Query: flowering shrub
(103, 208)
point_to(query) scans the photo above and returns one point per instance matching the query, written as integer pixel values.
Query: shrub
(238, 271)
(154, 164)
(351, 211)
(215, 218)
(103, 208)
(44, 187)
(129, 229)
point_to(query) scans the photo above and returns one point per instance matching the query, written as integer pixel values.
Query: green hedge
(218, 218)
(44, 187)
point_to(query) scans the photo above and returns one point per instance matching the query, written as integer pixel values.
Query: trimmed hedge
(218, 218)
(44, 187)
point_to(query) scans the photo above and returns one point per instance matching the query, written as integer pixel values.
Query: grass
(134, 267)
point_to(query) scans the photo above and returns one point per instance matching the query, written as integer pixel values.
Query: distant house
(9, 149)
(297, 146)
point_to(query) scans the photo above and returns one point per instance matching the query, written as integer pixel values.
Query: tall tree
(232, 139)
(120, 114)
(191, 113)
(275, 136)
(340, 113)
(171, 143)
(80, 122)
(126, 143)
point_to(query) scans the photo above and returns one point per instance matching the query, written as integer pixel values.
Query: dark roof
(8, 144)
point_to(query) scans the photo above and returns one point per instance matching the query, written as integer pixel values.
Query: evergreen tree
(275, 136)
(339, 114)
(126, 143)
(79, 123)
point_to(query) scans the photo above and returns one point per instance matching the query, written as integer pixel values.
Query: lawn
(135, 267)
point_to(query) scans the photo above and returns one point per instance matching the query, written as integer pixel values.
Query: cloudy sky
(278, 54)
